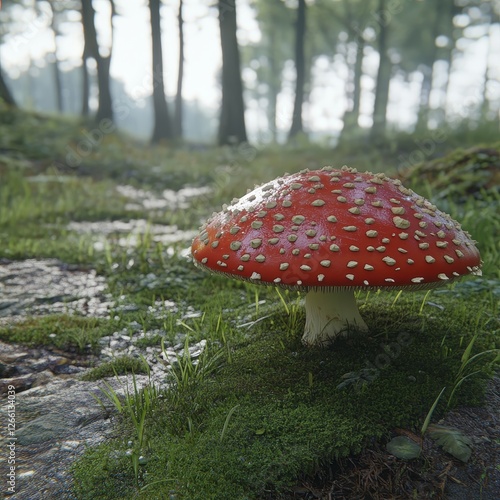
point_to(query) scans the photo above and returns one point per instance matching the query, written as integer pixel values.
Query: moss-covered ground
(259, 411)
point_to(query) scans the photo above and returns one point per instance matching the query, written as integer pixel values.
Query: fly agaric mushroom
(330, 232)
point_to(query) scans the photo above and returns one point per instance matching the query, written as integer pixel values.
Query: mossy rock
(460, 174)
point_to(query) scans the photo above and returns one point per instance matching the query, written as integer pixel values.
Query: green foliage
(59, 330)
(257, 410)
(274, 412)
(453, 441)
(120, 366)
(404, 448)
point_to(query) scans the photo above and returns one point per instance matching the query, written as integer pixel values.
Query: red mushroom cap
(336, 228)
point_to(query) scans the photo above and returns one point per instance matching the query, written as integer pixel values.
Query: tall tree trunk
(56, 69)
(352, 115)
(85, 87)
(162, 127)
(428, 72)
(232, 118)
(274, 87)
(5, 93)
(105, 106)
(300, 70)
(383, 79)
(180, 75)
(494, 18)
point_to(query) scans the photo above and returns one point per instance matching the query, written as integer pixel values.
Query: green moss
(58, 330)
(461, 173)
(119, 366)
(274, 411)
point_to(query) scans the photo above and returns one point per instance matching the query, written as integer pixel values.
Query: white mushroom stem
(330, 315)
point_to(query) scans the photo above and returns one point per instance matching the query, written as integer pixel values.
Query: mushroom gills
(330, 315)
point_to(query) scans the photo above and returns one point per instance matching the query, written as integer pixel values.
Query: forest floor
(96, 284)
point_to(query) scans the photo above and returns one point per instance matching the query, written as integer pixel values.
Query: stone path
(56, 413)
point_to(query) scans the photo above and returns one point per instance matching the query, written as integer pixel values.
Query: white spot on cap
(255, 243)
(448, 259)
(321, 277)
(401, 223)
(354, 210)
(371, 233)
(398, 210)
(443, 276)
(352, 263)
(260, 258)
(325, 263)
(389, 261)
(417, 280)
(277, 228)
(430, 259)
(245, 257)
(240, 268)
(284, 266)
(204, 260)
(277, 280)
(354, 248)
(256, 224)
(318, 203)
(350, 229)
(292, 237)
(334, 248)
(298, 219)
(441, 244)
(367, 267)
(331, 218)
(349, 276)
(423, 246)
(273, 241)
(305, 268)
(255, 276)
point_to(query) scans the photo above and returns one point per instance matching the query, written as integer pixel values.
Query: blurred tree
(300, 33)
(54, 25)
(91, 50)
(383, 74)
(180, 75)
(162, 126)
(346, 29)
(232, 118)
(268, 57)
(5, 93)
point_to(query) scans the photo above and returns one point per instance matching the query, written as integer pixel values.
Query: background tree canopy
(274, 70)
